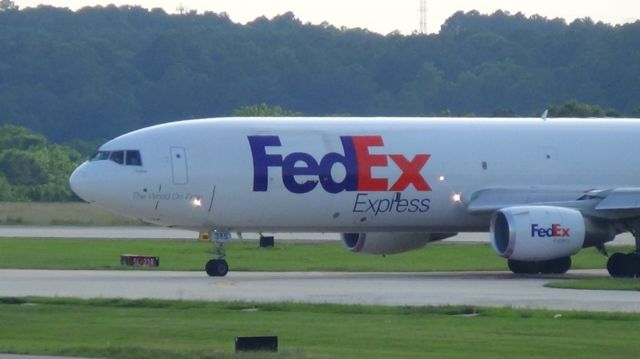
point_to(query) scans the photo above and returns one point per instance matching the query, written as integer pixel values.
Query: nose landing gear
(217, 268)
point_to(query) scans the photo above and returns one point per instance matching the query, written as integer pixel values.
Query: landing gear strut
(622, 265)
(218, 267)
(553, 266)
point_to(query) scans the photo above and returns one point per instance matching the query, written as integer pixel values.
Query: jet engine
(540, 233)
(389, 242)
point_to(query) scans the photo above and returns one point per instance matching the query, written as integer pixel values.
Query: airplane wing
(619, 199)
(493, 199)
(616, 203)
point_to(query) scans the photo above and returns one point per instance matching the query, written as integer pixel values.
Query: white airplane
(544, 189)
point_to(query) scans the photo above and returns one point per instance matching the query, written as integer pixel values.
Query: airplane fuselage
(352, 174)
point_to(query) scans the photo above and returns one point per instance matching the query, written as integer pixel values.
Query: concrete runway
(139, 232)
(152, 232)
(500, 289)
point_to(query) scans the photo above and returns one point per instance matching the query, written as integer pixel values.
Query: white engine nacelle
(389, 243)
(538, 233)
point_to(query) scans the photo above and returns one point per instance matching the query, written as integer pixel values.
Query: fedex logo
(555, 230)
(357, 160)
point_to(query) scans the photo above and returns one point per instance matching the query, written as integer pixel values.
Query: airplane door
(179, 169)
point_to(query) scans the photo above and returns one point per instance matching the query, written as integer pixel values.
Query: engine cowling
(539, 233)
(389, 242)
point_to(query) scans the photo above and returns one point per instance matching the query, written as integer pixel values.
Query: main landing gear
(621, 265)
(218, 267)
(553, 266)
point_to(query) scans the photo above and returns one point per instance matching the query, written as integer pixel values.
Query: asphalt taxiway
(139, 232)
(152, 232)
(496, 289)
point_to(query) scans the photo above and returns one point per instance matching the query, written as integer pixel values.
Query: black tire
(557, 266)
(522, 267)
(633, 264)
(217, 268)
(515, 266)
(618, 266)
(534, 267)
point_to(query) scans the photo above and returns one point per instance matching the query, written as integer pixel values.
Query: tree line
(101, 71)
(32, 168)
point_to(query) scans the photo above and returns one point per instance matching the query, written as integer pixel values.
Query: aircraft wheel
(515, 266)
(633, 264)
(522, 267)
(557, 266)
(217, 268)
(619, 266)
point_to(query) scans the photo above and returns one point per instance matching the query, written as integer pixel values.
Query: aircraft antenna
(423, 16)
(545, 114)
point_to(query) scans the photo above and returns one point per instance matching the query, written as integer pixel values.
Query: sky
(382, 16)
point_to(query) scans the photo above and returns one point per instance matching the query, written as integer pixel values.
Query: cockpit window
(133, 158)
(117, 157)
(128, 157)
(100, 156)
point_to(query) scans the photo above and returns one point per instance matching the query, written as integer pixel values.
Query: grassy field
(177, 329)
(51, 214)
(632, 284)
(247, 256)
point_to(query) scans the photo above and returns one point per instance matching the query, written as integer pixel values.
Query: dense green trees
(102, 71)
(575, 109)
(33, 169)
(263, 110)
(92, 74)
(8, 5)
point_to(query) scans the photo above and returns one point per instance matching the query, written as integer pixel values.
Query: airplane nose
(79, 182)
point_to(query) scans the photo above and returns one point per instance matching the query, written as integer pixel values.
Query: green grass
(632, 284)
(246, 256)
(180, 329)
(48, 214)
